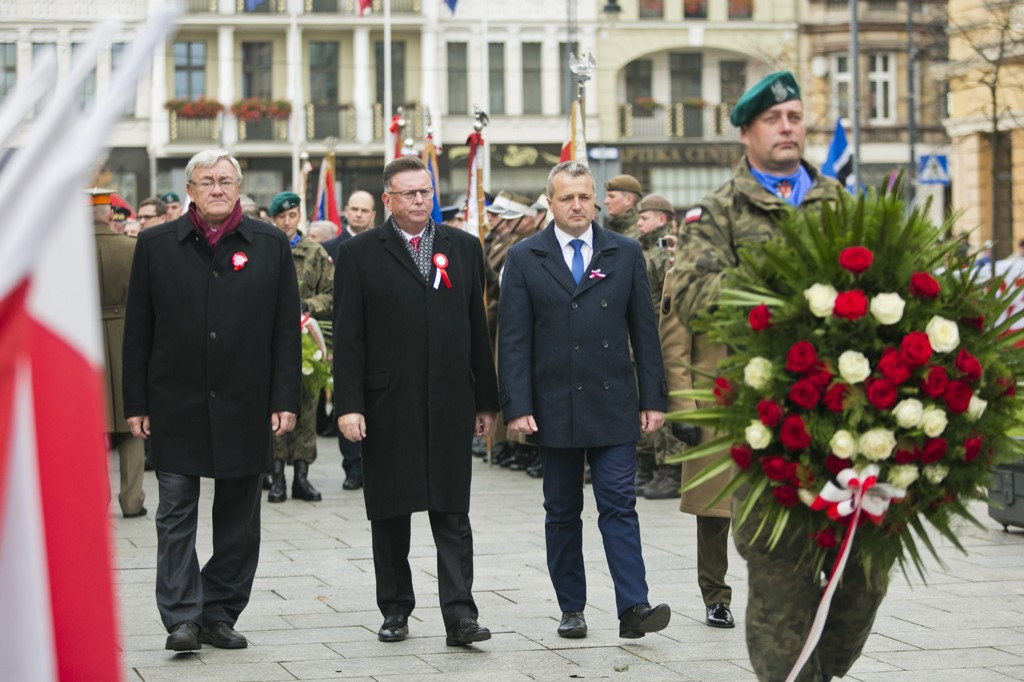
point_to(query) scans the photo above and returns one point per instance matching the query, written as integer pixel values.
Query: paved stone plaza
(313, 614)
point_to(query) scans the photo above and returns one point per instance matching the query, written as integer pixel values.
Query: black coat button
(575, 345)
(213, 335)
(579, 386)
(574, 305)
(213, 394)
(604, 343)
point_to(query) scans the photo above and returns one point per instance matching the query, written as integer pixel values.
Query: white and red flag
(475, 193)
(56, 583)
(575, 147)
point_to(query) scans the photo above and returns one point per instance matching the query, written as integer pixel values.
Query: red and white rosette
(441, 275)
(238, 260)
(857, 492)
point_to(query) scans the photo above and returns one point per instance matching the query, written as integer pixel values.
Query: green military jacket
(624, 223)
(657, 259)
(316, 277)
(739, 211)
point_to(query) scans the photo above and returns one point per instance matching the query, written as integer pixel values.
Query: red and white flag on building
(56, 582)
(575, 147)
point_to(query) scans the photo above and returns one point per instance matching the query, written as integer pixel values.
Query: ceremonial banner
(474, 195)
(430, 161)
(326, 200)
(839, 162)
(575, 147)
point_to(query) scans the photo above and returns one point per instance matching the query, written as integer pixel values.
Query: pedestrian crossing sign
(934, 170)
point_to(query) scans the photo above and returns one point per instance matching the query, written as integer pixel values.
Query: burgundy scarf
(233, 220)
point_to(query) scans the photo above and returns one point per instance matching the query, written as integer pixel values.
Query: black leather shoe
(642, 618)
(394, 629)
(573, 625)
(352, 483)
(719, 616)
(465, 632)
(222, 636)
(184, 637)
(135, 515)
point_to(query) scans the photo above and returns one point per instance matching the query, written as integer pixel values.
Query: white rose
(307, 369)
(908, 413)
(843, 444)
(821, 298)
(806, 496)
(976, 408)
(887, 308)
(933, 421)
(902, 476)
(935, 472)
(757, 373)
(854, 367)
(318, 354)
(943, 334)
(758, 435)
(877, 444)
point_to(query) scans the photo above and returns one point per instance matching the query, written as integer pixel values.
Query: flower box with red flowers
(858, 338)
(195, 108)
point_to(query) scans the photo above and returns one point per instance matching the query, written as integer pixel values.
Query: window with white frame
(841, 87)
(8, 67)
(458, 79)
(882, 88)
(496, 76)
(532, 101)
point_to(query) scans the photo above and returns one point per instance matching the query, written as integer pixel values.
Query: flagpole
(388, 98)
(855, 76)
(485, 80)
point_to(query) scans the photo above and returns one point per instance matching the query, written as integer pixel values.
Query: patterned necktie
(415, 241)
(577, 259)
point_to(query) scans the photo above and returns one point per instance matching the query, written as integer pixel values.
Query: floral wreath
(869, 370)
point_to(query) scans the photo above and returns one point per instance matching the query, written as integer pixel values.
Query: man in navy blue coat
(574, 298)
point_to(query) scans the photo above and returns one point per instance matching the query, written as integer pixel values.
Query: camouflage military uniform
(783, 592)
(624, 223)
(316, 290)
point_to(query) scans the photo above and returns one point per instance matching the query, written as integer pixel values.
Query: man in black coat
(212, 366)
(574, 299)
(414, 380)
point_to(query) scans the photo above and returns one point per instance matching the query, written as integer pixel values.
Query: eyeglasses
(207, 184)
(410, 195)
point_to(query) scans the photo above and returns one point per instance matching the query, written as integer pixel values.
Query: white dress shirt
(587, 249)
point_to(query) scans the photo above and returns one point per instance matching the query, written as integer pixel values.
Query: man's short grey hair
(572, 168)
(209, 158)
(249, 206)
(324, 229)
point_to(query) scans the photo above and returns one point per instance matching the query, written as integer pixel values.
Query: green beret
(656, 202)
(285, 201)
(773, 89)
(170, 198)
(624, 183)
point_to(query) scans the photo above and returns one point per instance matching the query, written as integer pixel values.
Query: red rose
(775, 467)
(958, 396)
(785, 495)
(924, 285)
(972, 448)
(836, 464)
(915, 349)
(793, 433)
(819, 375)
(805, 394)
(935, 383)
(976, 322)
(968, 365)
(826, 538)
(933, 450)
(833, 399)
(905, 455)
(892, 366)
(723, 391)
(760, 318)
(856, 259)
(801, 357)
(742, 455)
(882, 393)
(1009, 387)
(769, 412)
(851, 305)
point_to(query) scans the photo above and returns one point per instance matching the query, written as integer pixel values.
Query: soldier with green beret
(316, 291)
(173, 202)
(622, 194)
(770, 180)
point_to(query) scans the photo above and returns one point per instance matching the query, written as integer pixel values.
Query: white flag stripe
(24, 590)
(27, 92)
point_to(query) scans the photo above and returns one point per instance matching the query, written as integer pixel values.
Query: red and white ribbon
(312, 327)
(857, 492)
(597, 274)
(441, 263)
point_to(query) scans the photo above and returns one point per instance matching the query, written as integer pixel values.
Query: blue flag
(451, 4)
(839, 162)
(430, 161)
(251, 5)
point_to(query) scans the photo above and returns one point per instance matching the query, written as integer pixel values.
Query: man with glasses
(212, 367)
(414, 380)
(152, 212)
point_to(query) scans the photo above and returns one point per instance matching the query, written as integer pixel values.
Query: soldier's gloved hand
(687, 433)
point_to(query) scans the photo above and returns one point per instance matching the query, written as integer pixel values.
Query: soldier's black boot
(666, 483)
(302, 489)
(277, 493)
(644, 471)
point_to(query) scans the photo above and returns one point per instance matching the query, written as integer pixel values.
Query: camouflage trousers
(300, 444)
(783, 598)
(661, 444)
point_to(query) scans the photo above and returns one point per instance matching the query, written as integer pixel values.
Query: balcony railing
(264, 129)
(351, 7)
(330, 120)
(412, 113)
(676, 120)
(202, 6)
(193, 129)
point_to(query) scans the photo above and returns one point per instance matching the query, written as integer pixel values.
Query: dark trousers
(351, 458)
(221, 589)
(454, 540)
(713, 559)
(612, 470)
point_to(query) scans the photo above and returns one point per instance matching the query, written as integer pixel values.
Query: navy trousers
(612, 470)
(351, 458)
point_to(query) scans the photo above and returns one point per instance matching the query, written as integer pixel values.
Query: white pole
(389, 106)
(485, 80)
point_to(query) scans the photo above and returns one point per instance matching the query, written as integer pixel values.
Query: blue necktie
(577, 259)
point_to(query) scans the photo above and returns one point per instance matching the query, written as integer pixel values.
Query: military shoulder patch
(692, 215)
